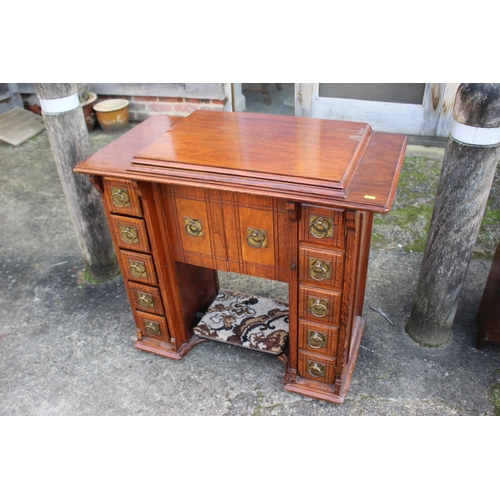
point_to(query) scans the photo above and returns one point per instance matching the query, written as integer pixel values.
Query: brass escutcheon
(319, 270)
(193, 227)
(316, 369)
(120, 197)
(152, 328)
(137, 269)
(320, 227)
(316, 340)
(129, 235)
(317, 307)
(145, 300)
(256, 238)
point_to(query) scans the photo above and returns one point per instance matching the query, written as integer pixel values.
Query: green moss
(495, 398)
(85, 278)
(261, 410)
(407, 224)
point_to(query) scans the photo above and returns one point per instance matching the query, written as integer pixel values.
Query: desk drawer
(321, 268)
(257, 235)
(322, 226)
(316, 367)
(318, 339)
(153, 326)
(130, 233)
(121, 197)
(138, 267)
(193, 224)
(319, 305)
(146, 298)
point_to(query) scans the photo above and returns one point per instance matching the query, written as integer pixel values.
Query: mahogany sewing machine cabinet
(278, 197)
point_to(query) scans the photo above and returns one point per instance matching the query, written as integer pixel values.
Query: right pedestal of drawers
(333, 253)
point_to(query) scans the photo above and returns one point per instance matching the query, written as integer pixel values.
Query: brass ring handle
(129, 235)
(145, 300)
(315, 369)
(193, 227)
(256, 238)
(152, 327)
(319, 227)
(319, 270)
(120, 197)
(319, 308)
(137, 269)
(316, 340)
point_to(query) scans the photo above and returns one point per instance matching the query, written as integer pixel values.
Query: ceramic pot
(112, 115)
(88, 111)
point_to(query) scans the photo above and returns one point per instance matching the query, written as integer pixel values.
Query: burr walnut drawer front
(146, 298)
(121, 197)
(257, 235)
(316, 367)
(153, 326)
(322, 226)
(130, 233)
(317, 338)
(138, 267)
(320, 267)
(319, 305)
(193, 225)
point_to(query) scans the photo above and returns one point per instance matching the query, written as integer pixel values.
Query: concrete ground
(66, 346)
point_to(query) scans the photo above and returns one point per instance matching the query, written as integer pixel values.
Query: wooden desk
(284, 198)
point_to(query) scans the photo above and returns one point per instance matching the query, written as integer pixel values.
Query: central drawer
(229, 231)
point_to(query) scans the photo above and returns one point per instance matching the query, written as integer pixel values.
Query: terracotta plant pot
(112, 115)
(88, 111)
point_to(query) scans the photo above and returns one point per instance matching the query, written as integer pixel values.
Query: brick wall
(142, 107)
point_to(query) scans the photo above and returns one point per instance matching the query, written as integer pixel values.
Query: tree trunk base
(427, 335)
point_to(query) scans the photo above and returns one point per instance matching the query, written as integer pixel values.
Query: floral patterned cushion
(246, 320)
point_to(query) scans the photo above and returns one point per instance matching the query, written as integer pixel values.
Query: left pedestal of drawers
(133, 225)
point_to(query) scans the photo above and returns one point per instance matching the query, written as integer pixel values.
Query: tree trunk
(68, 136)
(465, 182)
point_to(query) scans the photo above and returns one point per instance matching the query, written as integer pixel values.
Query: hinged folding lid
(293, 154)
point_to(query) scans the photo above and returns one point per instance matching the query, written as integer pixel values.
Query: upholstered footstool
(246, 320)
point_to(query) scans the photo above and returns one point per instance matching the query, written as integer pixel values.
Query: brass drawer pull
(319, 270)
(318, 307)
(316, 369)
(256, 238)
(193, 227)
(145, 300)
(320, 227)
(137, 269)
(316, 340)
(129, 235)
(120, 197)
(152, 328)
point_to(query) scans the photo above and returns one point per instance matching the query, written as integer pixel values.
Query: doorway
(250, 98)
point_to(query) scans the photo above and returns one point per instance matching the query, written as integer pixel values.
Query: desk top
(300, 159)
(280, 149)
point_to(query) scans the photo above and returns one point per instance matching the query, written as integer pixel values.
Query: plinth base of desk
(329, 392)
(162, 349)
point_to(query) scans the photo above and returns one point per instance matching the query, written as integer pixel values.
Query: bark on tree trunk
(70, 145)
(469, 164)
